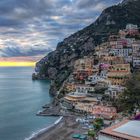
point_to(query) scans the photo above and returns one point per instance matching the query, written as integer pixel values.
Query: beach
(61, 131)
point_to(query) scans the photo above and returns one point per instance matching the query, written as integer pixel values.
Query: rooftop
(126, 129)
(130, 128)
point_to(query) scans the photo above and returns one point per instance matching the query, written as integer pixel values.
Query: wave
(39, 132)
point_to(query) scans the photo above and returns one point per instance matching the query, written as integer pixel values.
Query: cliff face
(58, 64)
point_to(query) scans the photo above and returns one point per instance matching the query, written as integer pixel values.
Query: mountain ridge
(58, 64)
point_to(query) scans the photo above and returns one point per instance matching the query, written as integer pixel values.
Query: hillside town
(98, 81)
(100, 98)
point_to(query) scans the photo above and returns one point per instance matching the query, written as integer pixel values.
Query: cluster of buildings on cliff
(103, 75)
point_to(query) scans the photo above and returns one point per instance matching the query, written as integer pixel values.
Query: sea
(20, 99)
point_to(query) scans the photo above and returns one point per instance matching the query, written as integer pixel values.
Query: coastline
(63, 129)
(43, 131)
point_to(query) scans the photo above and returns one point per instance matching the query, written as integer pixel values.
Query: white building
(84, 89)
(131, 27)
(114, 91)
(136, 62)
(94, 78)
(125, 52)
(136, 49)
(103, 74)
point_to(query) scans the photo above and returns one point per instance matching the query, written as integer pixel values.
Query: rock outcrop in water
(58, 64)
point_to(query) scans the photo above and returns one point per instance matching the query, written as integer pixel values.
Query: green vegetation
(92, 134)
(42, 69)
(100, 90)
(98, 123)
(129, 101)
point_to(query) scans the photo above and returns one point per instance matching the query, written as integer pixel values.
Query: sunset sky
(29, 29)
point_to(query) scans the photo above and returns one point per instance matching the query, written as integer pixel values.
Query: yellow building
(70, 87)
(102, 46)
(118, 74)
(112, 60)
(83, 64)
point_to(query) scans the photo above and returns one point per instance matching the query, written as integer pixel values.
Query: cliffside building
(118, 74)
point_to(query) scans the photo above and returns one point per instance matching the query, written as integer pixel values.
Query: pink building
(104, 111)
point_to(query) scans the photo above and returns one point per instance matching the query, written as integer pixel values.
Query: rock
(58, 64)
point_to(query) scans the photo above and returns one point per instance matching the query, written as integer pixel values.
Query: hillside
(58, 64)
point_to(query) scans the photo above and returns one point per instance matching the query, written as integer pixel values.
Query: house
(91, 105)
(74, 97)
(104, 111)
(85, 106)
(70, 87)
(84, 63)
(136, 48)
(103, 73)
(83, 68)
(112, 60)
(84, 89)
(122, 48)
(122, 33)
(113, 38)
(102, 46)
(118, 74)
(94, 79)
(102, 49)
(125, 130)
(132, 29)
(114, 91)
(123, 52)
(136, 62)
(136, 54)
(103, 66)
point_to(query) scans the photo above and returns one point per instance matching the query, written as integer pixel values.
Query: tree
(92, 134)
(129, 101)
(100, 121)
(97, 126)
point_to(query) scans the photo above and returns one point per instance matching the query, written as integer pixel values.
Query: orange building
(85, 63)
(83, 68)
(70, 87)
(118, 74)
(112, 60)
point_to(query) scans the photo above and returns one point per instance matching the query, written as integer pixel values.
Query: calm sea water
(20, 100)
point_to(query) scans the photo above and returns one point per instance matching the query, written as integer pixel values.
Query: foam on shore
(39, 132)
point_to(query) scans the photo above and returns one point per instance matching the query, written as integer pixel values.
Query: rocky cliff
(58, 64)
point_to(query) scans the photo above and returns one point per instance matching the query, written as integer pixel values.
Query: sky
(29, 29)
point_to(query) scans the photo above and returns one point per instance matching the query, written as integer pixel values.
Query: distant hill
(58, 64)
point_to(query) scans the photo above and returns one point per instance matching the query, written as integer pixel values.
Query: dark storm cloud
(42, 23)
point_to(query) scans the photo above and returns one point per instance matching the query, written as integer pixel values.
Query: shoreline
(62, 130)
(43, 131)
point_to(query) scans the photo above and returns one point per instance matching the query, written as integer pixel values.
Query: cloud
(17, 51)
(30, 27)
